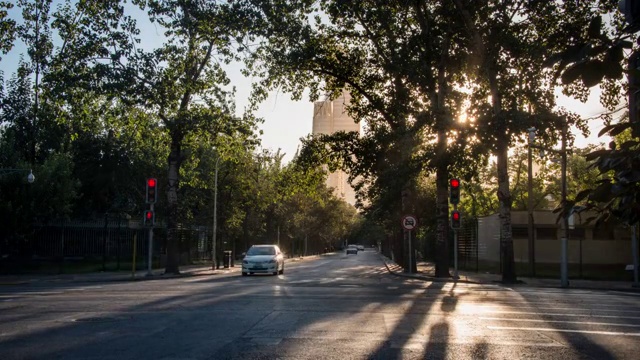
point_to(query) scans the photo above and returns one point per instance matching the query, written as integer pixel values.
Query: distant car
(352, 249)
(263, 259)
(360, 247)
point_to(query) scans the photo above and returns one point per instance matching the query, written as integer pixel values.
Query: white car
(263, 259)
(360, 247)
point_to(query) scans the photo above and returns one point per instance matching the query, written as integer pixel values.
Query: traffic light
(455, 219)
(631, 11)
(152, 191)
(149, 218)
(454, 191)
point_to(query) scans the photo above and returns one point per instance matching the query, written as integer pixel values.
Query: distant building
(591, 250)
(329, 116)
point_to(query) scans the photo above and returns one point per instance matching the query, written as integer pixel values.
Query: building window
(603, 232)
(547, 233)
(577, 233)
(519, 233)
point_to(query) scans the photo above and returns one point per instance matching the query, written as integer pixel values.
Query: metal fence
(98, 245)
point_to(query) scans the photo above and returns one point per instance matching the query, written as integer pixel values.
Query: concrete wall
(607, 245)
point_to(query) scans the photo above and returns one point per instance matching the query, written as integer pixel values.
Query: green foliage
(597, 57)
(94, 115)
(7, 28)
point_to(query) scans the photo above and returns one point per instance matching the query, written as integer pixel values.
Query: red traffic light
(151, 197)
(455, 220)
(454, 191)
(149, 218)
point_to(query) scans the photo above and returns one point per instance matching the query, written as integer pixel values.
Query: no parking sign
(409, 222)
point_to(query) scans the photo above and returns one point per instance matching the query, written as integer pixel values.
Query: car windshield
(262, 250)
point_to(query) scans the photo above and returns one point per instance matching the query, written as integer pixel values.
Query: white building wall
(329, 116)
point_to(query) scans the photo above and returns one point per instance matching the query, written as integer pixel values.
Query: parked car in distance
(352, 249)
(360, 247)
(263, 259)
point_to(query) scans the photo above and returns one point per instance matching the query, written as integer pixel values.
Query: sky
(285, 120)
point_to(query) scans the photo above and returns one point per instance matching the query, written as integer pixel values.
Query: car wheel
(244, 274)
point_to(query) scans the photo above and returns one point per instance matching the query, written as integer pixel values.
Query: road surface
(330, 307)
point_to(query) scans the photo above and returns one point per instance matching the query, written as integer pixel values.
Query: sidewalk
(140, 275)
(426, 271)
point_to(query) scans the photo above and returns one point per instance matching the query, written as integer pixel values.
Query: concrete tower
(329, 116)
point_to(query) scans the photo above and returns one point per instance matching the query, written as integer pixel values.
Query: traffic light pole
(455, 254)
(150, 260)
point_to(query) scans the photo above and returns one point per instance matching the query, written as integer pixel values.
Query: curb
(393, 269)
(422, 277)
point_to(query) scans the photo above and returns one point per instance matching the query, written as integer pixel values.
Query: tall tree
(512, 89)
(401, 62)
(596, 57)
(182, 82)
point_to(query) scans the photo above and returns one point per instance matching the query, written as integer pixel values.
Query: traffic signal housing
(149, 218)
(454, 191)
(456, 219)
(151, 196)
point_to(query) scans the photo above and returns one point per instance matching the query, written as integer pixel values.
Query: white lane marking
(560, 321)
(29, 293)
(266, 341)
(535, 303)
(625, 293)
(564, 330)
(567, 315)
(535, 293)
(568, 308)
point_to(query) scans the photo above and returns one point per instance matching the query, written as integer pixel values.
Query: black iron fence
(110, 244)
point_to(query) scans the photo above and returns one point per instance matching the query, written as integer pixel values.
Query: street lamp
(530, 226)
(215, 214)
(30, 178)
(564, 227)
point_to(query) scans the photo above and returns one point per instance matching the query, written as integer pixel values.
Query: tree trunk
(504, 197)
(173, 248)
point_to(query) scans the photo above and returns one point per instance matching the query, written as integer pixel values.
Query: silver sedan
(263, 259)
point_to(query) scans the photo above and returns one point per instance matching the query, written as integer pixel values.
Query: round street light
(532, 134)
(30, 178)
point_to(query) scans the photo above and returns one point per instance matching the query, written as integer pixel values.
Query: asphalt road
(331, 307)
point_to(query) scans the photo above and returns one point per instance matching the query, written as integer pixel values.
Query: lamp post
(564, 273)
(530, 227)
(215, 215)
(564, 226)
(30, 178)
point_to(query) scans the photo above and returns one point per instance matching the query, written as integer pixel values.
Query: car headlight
(245, 262)
(272, 261)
